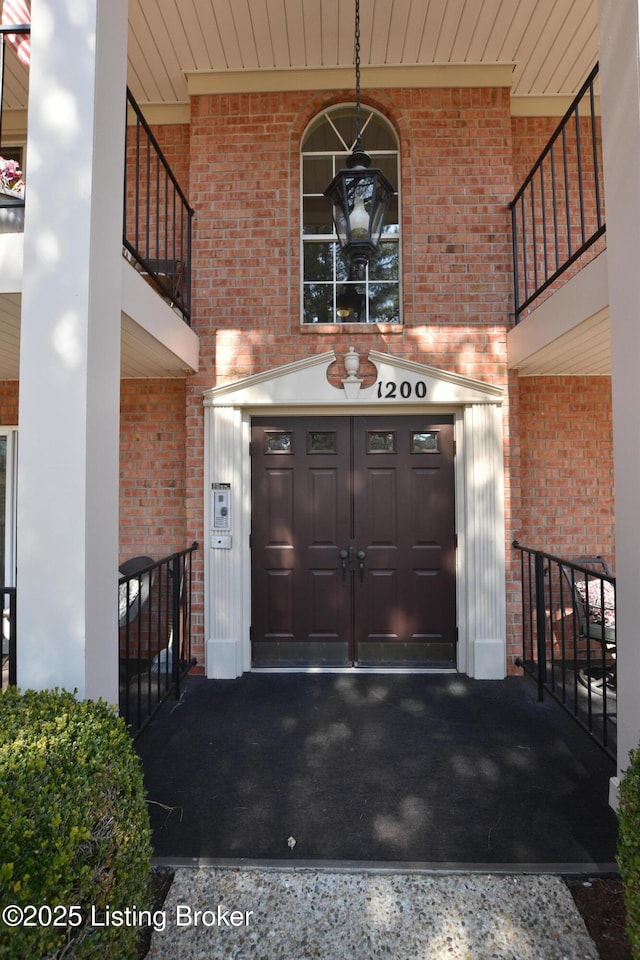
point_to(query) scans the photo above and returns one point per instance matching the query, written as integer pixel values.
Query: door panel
(353, 541)
(296, 525)
(404, 521)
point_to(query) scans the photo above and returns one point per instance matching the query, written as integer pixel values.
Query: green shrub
(629, 848)
(74, 825)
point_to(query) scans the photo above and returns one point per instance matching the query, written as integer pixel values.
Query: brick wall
(152, 468)
(566, 457)
(9, 403)
(152, 463)
(244, 183)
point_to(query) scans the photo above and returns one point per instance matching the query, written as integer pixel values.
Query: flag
(17, 12)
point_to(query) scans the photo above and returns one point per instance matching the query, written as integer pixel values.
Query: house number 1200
(392, 390)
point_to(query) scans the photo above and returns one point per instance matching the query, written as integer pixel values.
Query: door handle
(362, 556)
(344, 557)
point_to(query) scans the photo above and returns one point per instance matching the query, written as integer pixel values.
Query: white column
(620, 100)
(228, 568)
(70, 349)
(484, 548)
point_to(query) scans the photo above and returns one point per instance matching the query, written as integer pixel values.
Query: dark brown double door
(353, 541)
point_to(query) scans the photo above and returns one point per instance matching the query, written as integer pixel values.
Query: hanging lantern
(359, 195)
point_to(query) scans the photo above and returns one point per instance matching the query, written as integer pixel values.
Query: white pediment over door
(399, 381)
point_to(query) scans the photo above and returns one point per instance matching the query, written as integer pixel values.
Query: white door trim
(302, 388)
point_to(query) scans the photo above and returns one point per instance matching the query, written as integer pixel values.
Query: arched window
(328, 295)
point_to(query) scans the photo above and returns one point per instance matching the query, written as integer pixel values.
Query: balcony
(559, 251)
(156, 267)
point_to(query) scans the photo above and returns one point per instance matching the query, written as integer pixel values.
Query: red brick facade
(566, 456)
(152, 468)
(8, 403)
(462, 157)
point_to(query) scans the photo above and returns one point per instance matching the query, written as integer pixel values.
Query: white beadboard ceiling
(550, 44)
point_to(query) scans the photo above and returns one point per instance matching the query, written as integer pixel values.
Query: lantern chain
(357, 58)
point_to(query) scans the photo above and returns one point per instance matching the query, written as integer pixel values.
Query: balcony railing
(157, 216)
(8, 635)
(569, 637)
(154, 613)
(558, 212)
(11, 191)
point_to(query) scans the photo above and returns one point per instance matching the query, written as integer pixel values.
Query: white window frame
(339, 158)
(11, 436)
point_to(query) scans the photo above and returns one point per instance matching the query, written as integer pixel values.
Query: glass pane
(377, 135)
(318, 261)
(3, 506)
(278, 443)
(386, 263)
(392, 219)
(424, 443)
(350, 303)
(384, 303)
(317, 173)
(316, 214)
(381, 442)
(322, 442)
(389, 166)
(322, 138)
(318, 303)
(342, 267)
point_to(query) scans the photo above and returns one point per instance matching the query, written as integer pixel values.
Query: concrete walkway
(236, 913)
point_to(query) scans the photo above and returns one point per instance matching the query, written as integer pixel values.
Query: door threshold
(361, 670)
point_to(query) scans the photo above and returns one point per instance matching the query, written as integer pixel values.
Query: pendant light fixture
(360, 194)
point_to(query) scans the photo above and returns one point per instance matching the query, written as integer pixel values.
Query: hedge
(74, 827)
(629, 848)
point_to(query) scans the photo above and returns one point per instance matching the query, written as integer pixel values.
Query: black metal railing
(154, 612)
(558, 212)
(157, 220)
(10, 35)
(569, 637)
(8, 636)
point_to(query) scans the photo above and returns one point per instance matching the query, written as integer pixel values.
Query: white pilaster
(70, 349)
(228, 652)
(484, 530)
(619, 32)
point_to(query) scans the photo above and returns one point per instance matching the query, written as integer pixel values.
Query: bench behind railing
(154, 612)
(568, 637)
